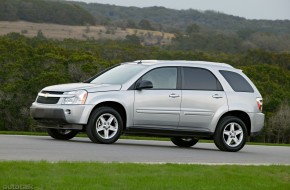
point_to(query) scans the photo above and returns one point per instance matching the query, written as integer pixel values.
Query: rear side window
(199, 79)
(237, 82)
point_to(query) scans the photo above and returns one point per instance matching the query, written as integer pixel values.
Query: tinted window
(162, 78)
(199, 79)
(237, 82)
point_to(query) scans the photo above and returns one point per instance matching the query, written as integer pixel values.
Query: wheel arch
(115, 105)
(241, 115)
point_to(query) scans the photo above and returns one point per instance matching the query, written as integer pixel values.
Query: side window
(162, 78)
(237, 82)
(199, 79)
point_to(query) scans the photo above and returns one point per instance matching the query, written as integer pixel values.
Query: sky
(250, 9)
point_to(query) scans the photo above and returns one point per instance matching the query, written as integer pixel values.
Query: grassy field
(92, 175)
(60, 32)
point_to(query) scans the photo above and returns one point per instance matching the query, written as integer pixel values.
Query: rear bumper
(257, 123)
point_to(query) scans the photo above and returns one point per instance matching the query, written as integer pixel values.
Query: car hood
(90, 87)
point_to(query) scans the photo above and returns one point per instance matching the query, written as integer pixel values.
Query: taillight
(260, 103)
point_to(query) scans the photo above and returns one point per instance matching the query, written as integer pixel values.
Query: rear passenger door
(202, 98)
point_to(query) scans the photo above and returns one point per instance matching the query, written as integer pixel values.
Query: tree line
(41, 11)
(171, 20)
(198, 38)
(29, 64)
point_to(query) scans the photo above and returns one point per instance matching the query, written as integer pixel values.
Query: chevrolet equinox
(183, 100)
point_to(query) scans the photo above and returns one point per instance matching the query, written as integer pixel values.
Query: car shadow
(163, 146)
(133, 143)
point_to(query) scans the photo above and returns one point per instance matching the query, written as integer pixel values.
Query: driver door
(159, 106)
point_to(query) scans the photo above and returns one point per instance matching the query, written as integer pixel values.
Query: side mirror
(145, 84)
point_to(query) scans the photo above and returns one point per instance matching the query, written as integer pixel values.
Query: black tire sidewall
(54, 133)
(178, 141)
(218, 136)
(91, 127)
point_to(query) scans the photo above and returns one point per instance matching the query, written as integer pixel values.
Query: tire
(105, 125)
(230, 134)
(62, 134)
(184, 142)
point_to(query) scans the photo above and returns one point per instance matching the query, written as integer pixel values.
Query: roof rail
(147, 61)
(184, 61)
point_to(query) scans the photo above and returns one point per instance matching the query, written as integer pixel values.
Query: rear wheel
(62, 134)
(184, 142)
(105, 125)
(230, 134)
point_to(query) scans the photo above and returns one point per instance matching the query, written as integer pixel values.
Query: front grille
(48, 100)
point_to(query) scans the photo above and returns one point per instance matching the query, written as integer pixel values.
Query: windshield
(118, 75)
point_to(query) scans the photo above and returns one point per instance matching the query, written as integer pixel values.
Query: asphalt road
(82, 149)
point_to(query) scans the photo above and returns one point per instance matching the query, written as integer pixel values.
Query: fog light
(67, 111)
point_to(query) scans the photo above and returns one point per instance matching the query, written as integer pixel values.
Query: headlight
(78, 97)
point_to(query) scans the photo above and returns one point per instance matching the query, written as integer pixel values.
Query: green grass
(129, 137)
(93, 175)
(23, 133)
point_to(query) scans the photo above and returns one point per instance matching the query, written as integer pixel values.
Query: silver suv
(183, 100)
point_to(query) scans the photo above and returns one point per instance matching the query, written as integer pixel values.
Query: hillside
(41, 11)
(61, 32)
(184, 30)
(198, 30)
(176, 20)
(160, 18)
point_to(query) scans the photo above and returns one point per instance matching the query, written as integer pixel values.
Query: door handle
(217, 96)
(173, 95)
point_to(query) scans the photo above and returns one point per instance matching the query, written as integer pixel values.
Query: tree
(40, 34)
(131, 24)
(145, 25)
(280, 124)
(193, 28)
(245, 33)
(133, 39)
(45, 11)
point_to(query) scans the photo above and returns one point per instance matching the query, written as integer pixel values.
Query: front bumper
(49, 115)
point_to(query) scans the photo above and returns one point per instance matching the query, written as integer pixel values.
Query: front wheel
(184, 142)
(230, 134)
(105, 125)
(62, 134)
